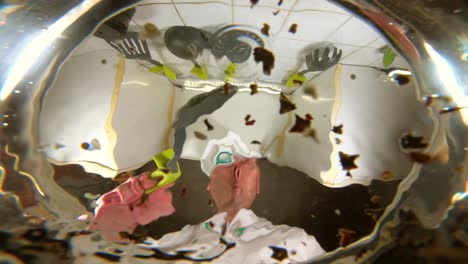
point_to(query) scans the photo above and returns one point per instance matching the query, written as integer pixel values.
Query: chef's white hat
(220, 151)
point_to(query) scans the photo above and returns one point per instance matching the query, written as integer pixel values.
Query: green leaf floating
(295, 78)
(167, 176)
(389, 57)
(169, 73)
(157, 69)
(166, 70)
(230, 72)
(200, 72)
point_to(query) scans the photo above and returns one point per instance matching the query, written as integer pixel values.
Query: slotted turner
(132, 47)
(315, 62)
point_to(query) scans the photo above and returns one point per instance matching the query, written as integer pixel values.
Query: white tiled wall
(318, 21)
(202, 18)
(348, 33)
(257, 16)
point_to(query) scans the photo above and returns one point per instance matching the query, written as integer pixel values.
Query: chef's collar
(222, 152)
(243, 218)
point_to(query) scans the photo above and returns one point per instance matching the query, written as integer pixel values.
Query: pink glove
(122, 209)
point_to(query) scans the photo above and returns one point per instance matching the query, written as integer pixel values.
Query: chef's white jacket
(246, 239)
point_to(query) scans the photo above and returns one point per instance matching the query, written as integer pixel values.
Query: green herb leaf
(169, 73)
(296, 79)
(389, 57)
(200, 72)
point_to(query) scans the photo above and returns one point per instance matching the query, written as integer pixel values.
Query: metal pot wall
(37, 37)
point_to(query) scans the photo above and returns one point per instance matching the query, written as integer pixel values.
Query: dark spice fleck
(353, 76)
(276, 12)
(183, 192)
(253, 3)
(338, 129)
(408, 141)
(346, 236)
(151, 30)
(226, 87)
(249, 122)
(310, 132)
(388, 175)
(311, 91)
(280, 2)
(360, 254)
(300, 125)
(298, 82)
(375, 213)
(36, 234)
(376, 199)
(255, 142)
(347, 161)
(308, 117)
(108, 256)
(420, 157)
(337, 141)
(266, 57)
(401, 79)
(293, 28)
(349, 174)
(211, 224)
(278, 253)
(200, 135)
(285, 104)
(85, 146)
(209, 127)
(253, 88)
(210, 202)
(103, 61)
(265, 29)
(450, 109)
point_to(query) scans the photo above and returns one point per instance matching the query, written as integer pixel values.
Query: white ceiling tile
(220, 14)
(399, 62)
(288, 49)
(163, 16)
(378, 43)
(364, 56)
(287, 57)
(316, 5)
(92, 44)
(257, 16)
(200, 2)
(285, 5)
(149, 2)
(354, 32)
(312, 26)
(346, 49)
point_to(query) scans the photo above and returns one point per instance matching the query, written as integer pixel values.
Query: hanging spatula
(316, 63)
(114, 32)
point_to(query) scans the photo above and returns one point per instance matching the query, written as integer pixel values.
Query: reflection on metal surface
(111, 135)
(460, 196)
(4, 172)
(426, 33)
(38, 44)
(448, 78)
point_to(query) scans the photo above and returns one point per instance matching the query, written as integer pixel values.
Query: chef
(234, 234)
